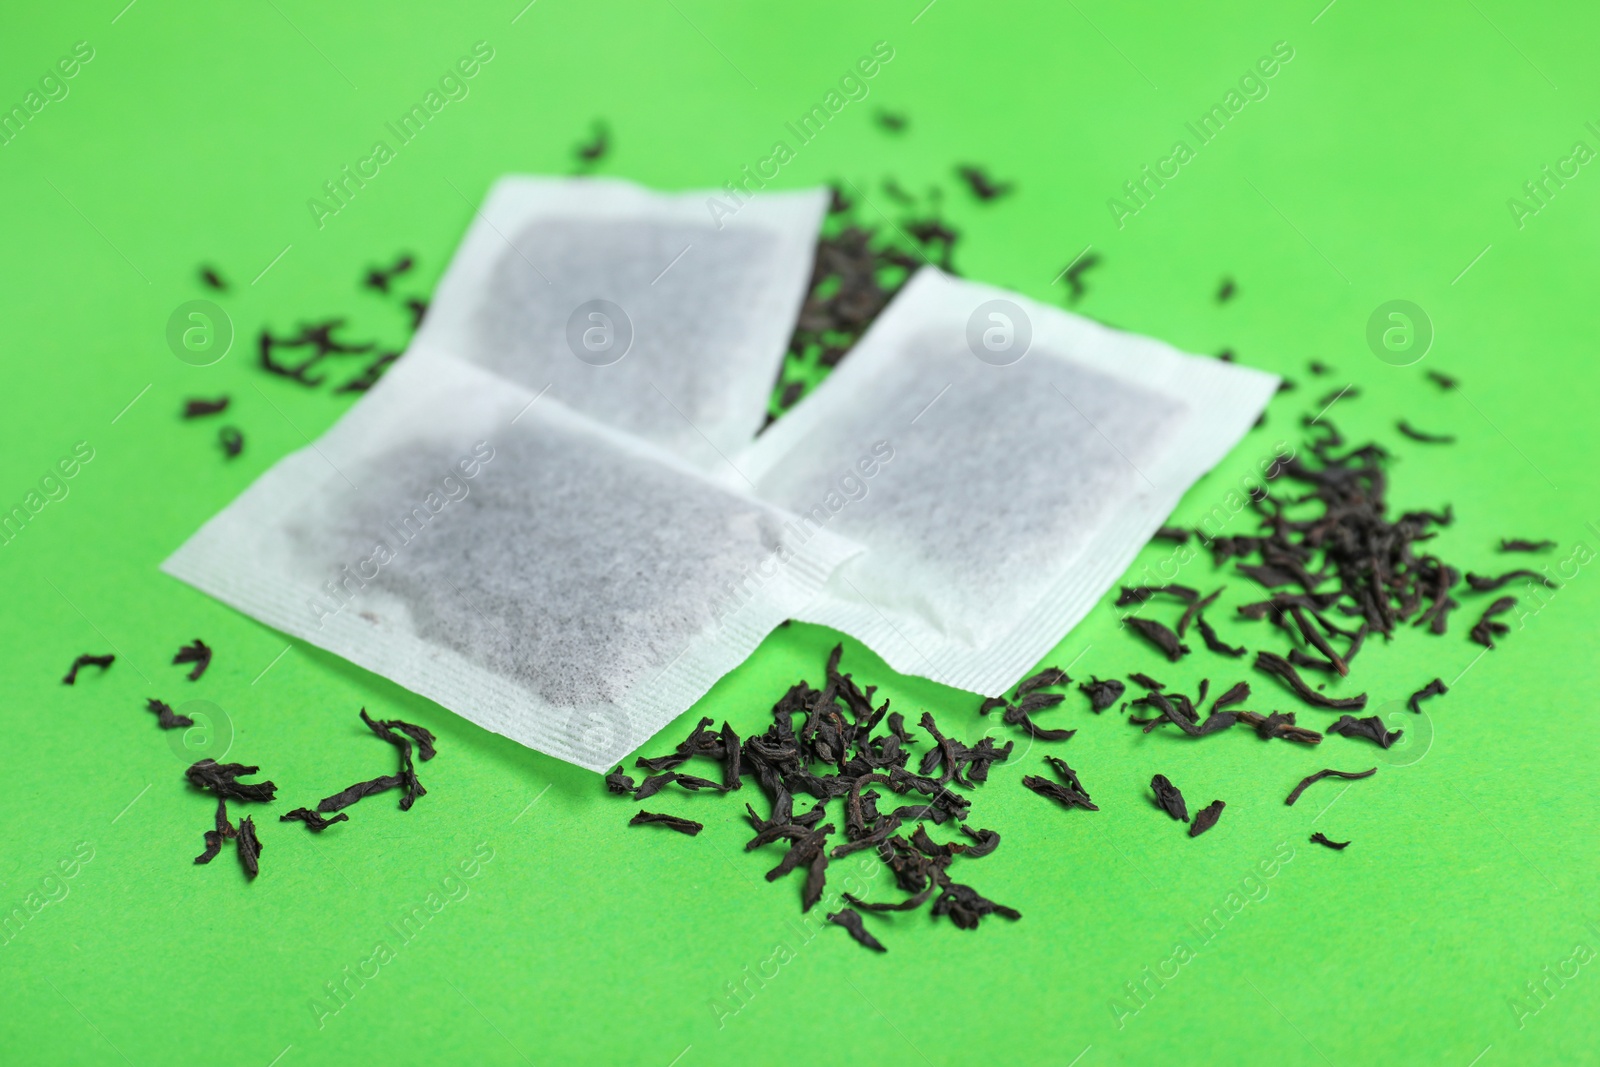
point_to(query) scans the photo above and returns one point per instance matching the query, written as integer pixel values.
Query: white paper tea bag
(1001, 461)
(638, 309)
(542, 575)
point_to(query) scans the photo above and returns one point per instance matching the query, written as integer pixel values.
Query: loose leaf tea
(318, 337)
(380, 278)
(1182, 712)
(1193, 611)
(1102, 694)
(1382, 579)
(595, 149)
(1275, 665)
(198, 653)
(1312, 779)
(982, 186)
(248, 847)
(169, 719)
(1484, 584)
(966, 907)
(314, 822)
(1519, 545)
(1160, 636)
(671, 822)
(1426, 438)
(851, 921)
(1442, 380)
(374, 371)
(1049, 678)
(1225, 291)
(231, 441)
(224, 831)
(1370, 728)
(1215, 643)
(857, 268)
(1169, 798)
(1432, 689)
(400, 735)
(1206, 818)
(1335, 845)
(1073, 275)
(1143, 593)
(194, 409)
(1486, 629)
(1279, 726)
(223, 780)
(618, 782)
(1068, 796)
(213, 280)
(826, 744)
(361, 790)
(1237, 694)
(86, 660)
(1028, 700)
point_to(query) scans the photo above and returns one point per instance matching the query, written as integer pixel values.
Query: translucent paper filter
(548, 578)
(1002, 462)
(638, 309)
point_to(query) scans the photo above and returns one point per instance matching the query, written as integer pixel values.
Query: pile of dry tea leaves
(1336, 568)
(832, 744)
(222, 779)
(858, 268)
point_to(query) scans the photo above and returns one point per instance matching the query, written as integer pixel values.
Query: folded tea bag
(640, 309)
(540, 574)
(1002, 461)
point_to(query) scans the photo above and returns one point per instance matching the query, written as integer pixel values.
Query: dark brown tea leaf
(195, 409)
(1206, 818)
(1102, 694)
(86, 660)
(851, 921)
(671, 822)
(248, 847)
(222, 779)
(1169, 798)
(169, 719)
(1312, 779)
(1434, 688)
(198, 653)
(314, 822)
(349, 795)
(1370, 728)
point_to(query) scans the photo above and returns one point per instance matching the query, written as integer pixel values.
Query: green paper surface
(1381, 164)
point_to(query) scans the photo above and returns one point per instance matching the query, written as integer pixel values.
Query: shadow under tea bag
(540, 574)
(636, 308)
(1002, 462)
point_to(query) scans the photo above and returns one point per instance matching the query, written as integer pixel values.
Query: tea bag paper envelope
(639, 309)
(540, 574)
(1002, 461)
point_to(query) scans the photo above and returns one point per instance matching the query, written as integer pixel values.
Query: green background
(1379, 167)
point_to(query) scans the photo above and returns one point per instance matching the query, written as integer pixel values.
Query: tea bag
(642, 310)
(540, 574)
(1002, 462)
